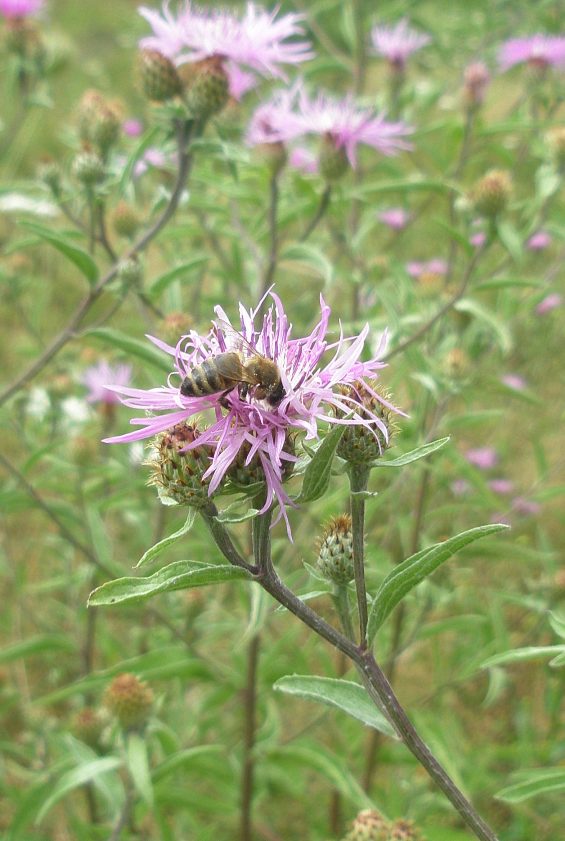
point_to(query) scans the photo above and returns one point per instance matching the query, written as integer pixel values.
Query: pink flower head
(398, 42)
(417, 268)
(304, 160)
(395, 217)
(514, 381)
(501, 486)
(476, 79)
(478, 239)
(525, 507)
(254, 39)
(539, 241)
(17, 9)
(549, 303)
(346, 126)
(275, 121)
(460, 487)
(132, 127)
(309, 397)
(482, 457)
(97, 377)
(239, 81)
(539, 50)
(152, 157)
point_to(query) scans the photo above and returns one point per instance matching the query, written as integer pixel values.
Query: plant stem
(185, 130)
(273, 235)
(358, 479)
(318, 216)
(250, 708)
(341, 601)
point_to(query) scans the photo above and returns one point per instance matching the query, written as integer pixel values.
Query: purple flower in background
(482, 457)
(476, 80)
(275, 121)
(501, 486)
(242, 420)
(395, 217)
(17, 9)
(132, 127)
(460, 487)
(417, 268)
(346, 126)
(255, 39)
(101, 375)
(539, 241)
(303, 159)
(525, 507)
(152, 157)
(539, 50)
(514, 381)
(478, 239)
(549, 303)
(398, 42)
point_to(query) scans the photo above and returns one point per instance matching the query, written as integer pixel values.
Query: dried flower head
(369, 825)
(310, 394)
(130, 700)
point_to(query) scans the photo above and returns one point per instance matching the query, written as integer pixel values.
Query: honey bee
(243, 368)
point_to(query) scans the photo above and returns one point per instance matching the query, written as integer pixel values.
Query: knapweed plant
(313, 254)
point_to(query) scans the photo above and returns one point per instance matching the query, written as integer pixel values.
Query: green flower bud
(332, 161)
(243, 475)
(130, 700)
(89, 169)
(273, 155)
(361, 444)
(179, 475)
(491, 194)
(88, 725)
(130, 272)
(159, 78)
(125, 220)
(209, 90)
(335, 551)
(48, 172)
(369, 825)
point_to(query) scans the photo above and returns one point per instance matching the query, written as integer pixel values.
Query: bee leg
(224, 399)
(243, 390)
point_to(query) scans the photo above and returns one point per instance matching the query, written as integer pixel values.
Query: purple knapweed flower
(539, 241)
(539, 50)
(275, 121)
(460, 487)
(97, 377)
(239, 81)
(476, 78)
(242, 420)
(132, 127)
(478, 240)
(398, 42)
(482, 457)
(501, 486)
(514, 381)
(303, 159)
(417, 268)
(151, 158)
(346, 125)
(549, 303)
(18, 9)
(395, 217)
(255, 39)
(525, 507)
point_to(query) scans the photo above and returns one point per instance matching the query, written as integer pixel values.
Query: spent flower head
(310, 398)
(396, 43)
(255, 39)
(537, 50)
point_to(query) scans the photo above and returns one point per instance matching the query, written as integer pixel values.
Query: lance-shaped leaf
(138, 766)
(346, 695)
(180, 575)
(413, 455)
(537, 781)
(318, 473)
(76, 777)
(81, 259)
(521, 655)
(414, 569)
(159, 547)
(133, 347)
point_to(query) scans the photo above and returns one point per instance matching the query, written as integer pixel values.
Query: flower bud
(456, 364)
(429, 284)
(273, 155)
(83, 450)
(175, 324)
(335, 551)
(369, 825)
(87, 726)
(403, 830)
(89, 169)
(243, 473)
(361, 444)
(180, 475)
(107, 127)
(332, 161)
(475, 82)
(48, 172)
(491, 194)
(209, 91)
(159, 78)
(556, 142)
(129, 272)
(130, 700)
(125, 220)
(90, 104)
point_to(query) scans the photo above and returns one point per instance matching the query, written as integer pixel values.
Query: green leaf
(134, 347)
(318, 473)
(521, 655)
(538, 781)
(346, 695)
(138, 766)
(159, 547)
(228, 516)
(81, 259)
(413, 455)
(557, 622)
(414, 569)
(36, 645)
(177, 576)
(510, 238)
(146, 141)
(181, 759)
(164, 281)
(312, 258)
(75, 778)
(486, 316)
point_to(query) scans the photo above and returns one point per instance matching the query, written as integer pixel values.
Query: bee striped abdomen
(208, 378)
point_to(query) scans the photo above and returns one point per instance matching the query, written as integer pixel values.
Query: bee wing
(229, 366)
(238, 342)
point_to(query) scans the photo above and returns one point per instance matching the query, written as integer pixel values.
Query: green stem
(358, 480)
(319, 215)
(341, 601)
